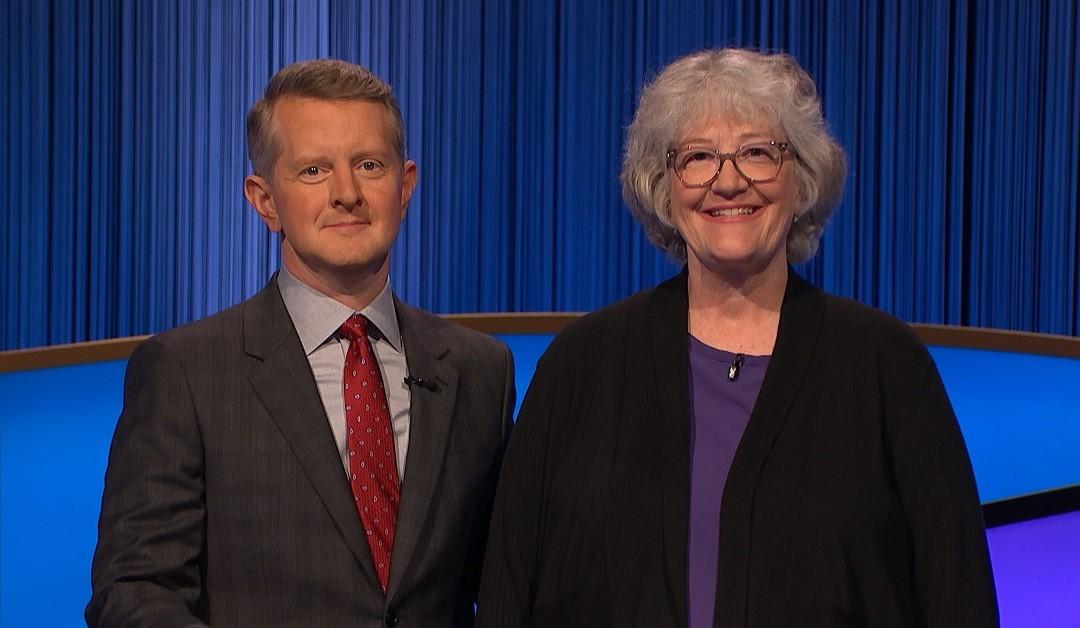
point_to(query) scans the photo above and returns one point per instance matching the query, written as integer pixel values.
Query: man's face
(338, 192)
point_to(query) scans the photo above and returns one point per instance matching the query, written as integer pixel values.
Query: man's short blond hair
(325, 79)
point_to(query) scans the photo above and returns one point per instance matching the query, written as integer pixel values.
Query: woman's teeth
(731, 211)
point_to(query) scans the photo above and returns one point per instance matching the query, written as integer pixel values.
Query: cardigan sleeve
(953, 582)
(507, 587)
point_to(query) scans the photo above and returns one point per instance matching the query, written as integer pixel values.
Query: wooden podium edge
(551, 323)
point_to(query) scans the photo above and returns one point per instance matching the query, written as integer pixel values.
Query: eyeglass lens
(757, 162)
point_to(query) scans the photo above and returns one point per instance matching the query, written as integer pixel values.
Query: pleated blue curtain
(123, 151)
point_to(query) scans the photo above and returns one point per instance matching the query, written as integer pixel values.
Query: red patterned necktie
(372, 464)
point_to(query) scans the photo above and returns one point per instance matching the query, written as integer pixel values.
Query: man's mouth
(356, 223)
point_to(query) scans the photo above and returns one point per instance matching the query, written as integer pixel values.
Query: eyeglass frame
(783, 147)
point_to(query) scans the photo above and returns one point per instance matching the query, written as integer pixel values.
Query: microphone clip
(736, 365)
(426, 384)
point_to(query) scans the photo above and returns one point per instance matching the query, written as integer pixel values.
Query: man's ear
(409, 175)
(257, 191)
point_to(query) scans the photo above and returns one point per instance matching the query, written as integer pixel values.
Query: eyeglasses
(757, 163)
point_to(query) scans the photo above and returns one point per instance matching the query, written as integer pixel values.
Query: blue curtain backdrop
(123, 151)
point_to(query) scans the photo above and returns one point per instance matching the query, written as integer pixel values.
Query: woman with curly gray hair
(735, 447)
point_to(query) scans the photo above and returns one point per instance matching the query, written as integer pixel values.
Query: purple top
(720, 410)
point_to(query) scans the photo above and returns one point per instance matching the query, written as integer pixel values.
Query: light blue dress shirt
(317, 318)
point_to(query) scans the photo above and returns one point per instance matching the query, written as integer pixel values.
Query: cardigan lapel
(283, 381)
(801, 316)
(667, 325)
(430, 417)
(800, 320)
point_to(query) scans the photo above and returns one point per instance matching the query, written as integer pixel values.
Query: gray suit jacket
(225, 501)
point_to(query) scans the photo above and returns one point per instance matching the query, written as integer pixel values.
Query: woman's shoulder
(603, 333)
(850, 321)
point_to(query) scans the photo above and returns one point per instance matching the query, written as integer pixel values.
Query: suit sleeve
(513, 549)
(509, 397)
(151, 533)
(466, 612)
(953, 581)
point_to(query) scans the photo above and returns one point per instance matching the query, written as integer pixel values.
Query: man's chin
(356, 268)
(341, 270)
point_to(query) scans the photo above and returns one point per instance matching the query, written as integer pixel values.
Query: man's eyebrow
(309, 158)
(374, 152)
(321, 158)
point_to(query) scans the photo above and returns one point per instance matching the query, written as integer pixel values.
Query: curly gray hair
(745, 85)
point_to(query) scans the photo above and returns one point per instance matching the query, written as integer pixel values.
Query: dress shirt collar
(317, 317)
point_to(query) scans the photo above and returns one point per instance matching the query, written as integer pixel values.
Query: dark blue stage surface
(1018, 414)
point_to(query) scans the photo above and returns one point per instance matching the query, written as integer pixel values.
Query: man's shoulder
(221, 331)
(415, 321)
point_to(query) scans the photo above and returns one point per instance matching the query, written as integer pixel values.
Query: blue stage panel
(55, 428)
(1020, 415)
(527, 349)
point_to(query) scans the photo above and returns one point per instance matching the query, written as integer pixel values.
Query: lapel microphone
(427, 384)
(736, 364)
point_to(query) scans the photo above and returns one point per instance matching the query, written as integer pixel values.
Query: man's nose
(344, 188)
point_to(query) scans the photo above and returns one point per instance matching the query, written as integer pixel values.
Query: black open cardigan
(850, 501)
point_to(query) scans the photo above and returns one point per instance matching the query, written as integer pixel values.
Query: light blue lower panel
(1020, 415)
(55, 429)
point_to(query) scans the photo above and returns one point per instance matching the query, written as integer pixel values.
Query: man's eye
(310, 172)
(370, 165)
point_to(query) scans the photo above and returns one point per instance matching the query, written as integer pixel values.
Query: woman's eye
(698, 159)
(761, 154)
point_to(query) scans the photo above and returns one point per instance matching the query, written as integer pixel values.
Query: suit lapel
(430, 417)
(283, 381)
(800, 321)
(667, 324)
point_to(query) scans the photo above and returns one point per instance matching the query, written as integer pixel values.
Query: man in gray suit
(321, 454)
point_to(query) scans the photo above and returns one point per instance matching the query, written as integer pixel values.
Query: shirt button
(391, 618)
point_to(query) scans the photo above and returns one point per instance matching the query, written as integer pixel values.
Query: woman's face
(733, 224)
